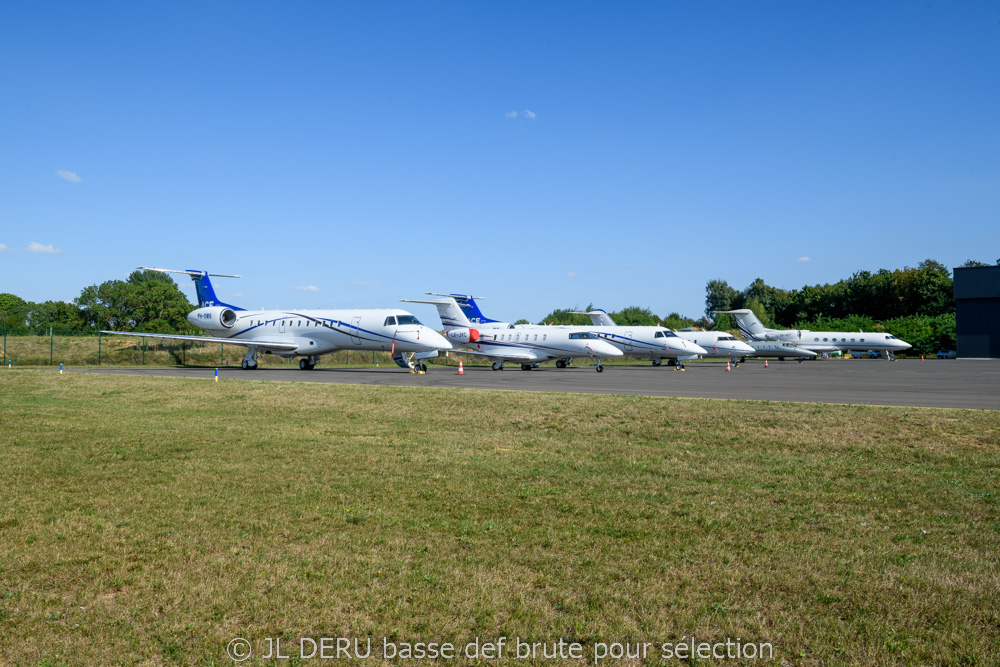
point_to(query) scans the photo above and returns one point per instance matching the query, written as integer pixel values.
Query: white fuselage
(317, 332)
(717, 343)
(532, 344)
(648, 342)
(829, 341)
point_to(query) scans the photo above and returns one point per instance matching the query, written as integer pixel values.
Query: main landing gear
(657, 362)
(563, 363)
(308, 363)
(498, 365)
(250, 360)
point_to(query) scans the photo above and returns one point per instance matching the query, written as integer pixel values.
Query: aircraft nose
(692, 348)
(436, 340)
(601, 349)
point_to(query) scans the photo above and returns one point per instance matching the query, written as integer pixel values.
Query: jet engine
(462, 336)
(208, 318)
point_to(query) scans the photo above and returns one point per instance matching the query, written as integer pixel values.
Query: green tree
(565, 316)
(156, 306)
(13, 311)
(59, 315)
(720, 296)
(634, 316)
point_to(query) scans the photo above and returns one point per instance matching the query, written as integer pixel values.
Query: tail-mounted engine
(208, 318)
(462, 336)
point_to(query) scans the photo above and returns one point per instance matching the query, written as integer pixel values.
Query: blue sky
(541, 155)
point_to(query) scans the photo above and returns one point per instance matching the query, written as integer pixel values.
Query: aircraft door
(281, 326)
(355, 330)
(628, 341)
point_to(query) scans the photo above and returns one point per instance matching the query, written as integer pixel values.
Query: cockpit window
(407, 319)
(578, 336)
(658, 334)
(891, 337)
(669, 334)
(389, 321)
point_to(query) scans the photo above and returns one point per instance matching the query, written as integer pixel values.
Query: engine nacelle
(462, 336)
(213, 318)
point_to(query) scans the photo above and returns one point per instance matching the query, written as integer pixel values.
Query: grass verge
(152, 520)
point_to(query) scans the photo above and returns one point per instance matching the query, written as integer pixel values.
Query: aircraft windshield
(577, 336)
(407, 319)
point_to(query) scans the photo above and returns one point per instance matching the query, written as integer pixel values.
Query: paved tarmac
(961, 383)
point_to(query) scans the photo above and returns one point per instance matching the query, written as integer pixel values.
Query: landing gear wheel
(560, 363)
(246, 365)
(498, 365)
(526, 367)
(303, 365)
(600, 368)
(422, 367)
(657, 362)
(781, 358)
(671, 362)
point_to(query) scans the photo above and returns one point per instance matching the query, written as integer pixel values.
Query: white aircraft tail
(448, 310)
(751, 327)
(599, 318)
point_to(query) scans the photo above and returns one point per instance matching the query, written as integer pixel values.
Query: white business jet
(647, 342)
(713, 344)
(818, 341)
(305, 333)
(526, 344)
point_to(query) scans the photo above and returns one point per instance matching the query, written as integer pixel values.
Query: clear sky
(538, 154)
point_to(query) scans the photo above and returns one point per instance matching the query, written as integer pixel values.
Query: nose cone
(435, 340)
(687, 347)
(426, 339)
(601, 349)
(902, 345)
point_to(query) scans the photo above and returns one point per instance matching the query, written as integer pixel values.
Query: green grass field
(153, 520)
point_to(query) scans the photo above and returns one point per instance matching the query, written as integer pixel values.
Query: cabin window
(536, 337)
(852, 340)
(544, 336)
(389, 321)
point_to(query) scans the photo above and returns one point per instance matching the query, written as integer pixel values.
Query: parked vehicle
(947, 354)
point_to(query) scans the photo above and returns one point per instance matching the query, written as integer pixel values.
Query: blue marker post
(216, 374)
(60, 368)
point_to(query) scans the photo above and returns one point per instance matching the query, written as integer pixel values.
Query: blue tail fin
(471, 309)
(206, 293)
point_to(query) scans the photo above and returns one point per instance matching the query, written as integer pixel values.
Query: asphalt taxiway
(962, 383)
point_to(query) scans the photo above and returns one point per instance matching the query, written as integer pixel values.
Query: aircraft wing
(262, 344)
(823, 348)
(511, 354)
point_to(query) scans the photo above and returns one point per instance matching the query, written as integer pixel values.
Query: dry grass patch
(148, 520)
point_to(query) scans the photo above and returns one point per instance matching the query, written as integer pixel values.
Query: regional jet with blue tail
(307, 334)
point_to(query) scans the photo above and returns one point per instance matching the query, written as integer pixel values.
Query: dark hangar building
(977, 311)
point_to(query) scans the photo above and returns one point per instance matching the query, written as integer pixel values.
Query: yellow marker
(60, 369)
(216, 374)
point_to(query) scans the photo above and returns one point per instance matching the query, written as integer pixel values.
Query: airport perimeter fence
(51, 347)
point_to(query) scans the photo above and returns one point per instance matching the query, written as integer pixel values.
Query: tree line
(147, 301)
(916, 304)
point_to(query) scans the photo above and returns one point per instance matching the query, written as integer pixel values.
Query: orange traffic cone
(921, 357)
(765, 363)
(461, 371)
(729, 369)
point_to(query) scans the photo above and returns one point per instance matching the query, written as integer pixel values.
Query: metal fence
(51, 347)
